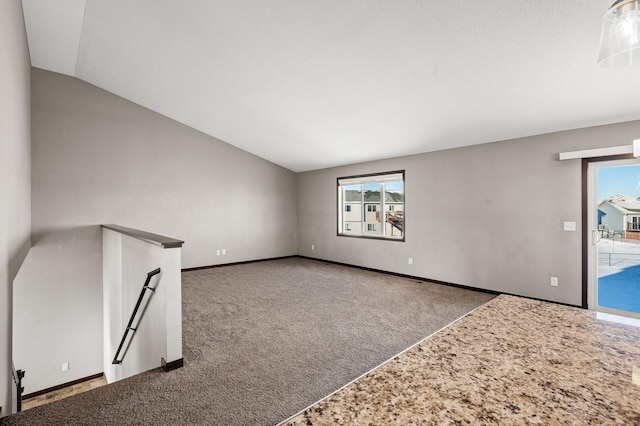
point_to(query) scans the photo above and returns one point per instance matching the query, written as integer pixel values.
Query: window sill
(368, 237)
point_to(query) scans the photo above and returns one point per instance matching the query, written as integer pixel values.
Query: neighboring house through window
(372, 205)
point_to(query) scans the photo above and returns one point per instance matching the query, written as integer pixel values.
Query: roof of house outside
(624, 203)
(353, 196)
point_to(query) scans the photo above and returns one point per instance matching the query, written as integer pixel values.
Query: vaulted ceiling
(313, 84)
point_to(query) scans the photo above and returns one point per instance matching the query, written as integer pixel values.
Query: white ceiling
(313, 84)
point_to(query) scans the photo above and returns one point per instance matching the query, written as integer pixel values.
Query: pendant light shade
(620, 39)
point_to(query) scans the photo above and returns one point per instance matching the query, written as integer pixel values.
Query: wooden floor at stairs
(63, 393)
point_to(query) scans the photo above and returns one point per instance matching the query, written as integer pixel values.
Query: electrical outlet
(224, 251)
(411, 261)
(218, 252)
(313, 246)
(554, 281)
(65, 366)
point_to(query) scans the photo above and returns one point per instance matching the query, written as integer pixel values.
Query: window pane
(372, 201)
(394, 216)
(352, 217)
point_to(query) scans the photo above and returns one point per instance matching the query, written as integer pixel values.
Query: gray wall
(98, 158)
(488, 216)
(15, 173)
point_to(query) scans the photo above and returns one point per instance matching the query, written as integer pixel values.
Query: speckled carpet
(265, 340)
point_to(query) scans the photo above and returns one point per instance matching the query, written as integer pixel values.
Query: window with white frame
(372, 206)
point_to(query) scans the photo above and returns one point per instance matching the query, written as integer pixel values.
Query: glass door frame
(590, 167)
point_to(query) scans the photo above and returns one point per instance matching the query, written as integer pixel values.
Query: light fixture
(620, 40)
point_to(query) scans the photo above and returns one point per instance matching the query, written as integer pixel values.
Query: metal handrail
(633, 226)
(18, 375)
(129, 328)
(621, 256)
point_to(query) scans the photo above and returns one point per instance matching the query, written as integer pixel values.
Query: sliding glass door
(613, 202)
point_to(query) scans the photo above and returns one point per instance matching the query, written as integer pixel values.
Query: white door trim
(592, 225)
(634, 149)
